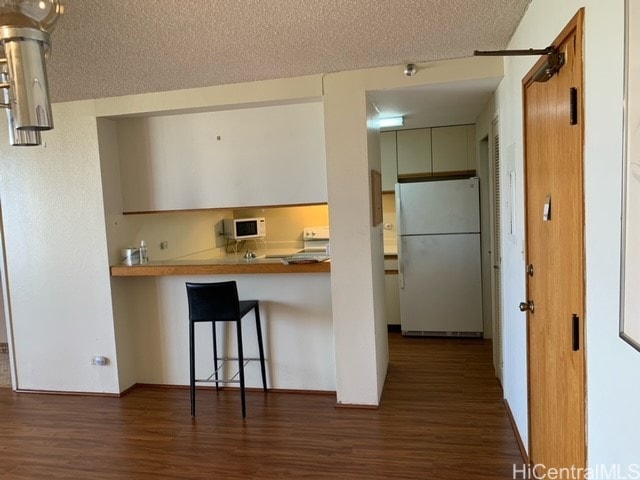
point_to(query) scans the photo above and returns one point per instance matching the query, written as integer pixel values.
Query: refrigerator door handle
(400, 265)
(399, 238)
(398, 211)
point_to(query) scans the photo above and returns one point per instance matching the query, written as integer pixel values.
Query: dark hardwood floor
(441, 418)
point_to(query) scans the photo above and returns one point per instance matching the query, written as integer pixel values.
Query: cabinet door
(389, 160)
(471, 147)
(450, 147)
(392, 299)
(414, 151)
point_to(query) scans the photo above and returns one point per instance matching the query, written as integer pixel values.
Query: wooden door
(555, 254)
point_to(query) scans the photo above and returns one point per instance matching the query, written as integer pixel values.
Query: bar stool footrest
(211, 379)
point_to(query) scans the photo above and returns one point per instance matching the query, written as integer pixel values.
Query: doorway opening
(489, 172)
(440, 141)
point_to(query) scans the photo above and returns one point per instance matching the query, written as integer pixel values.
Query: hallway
(441, 418)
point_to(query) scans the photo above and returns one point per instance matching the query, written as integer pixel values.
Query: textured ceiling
(104, 48)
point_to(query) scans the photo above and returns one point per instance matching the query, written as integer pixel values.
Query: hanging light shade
(25, 27)
(22, 138)
(29, 88)
(17, 138)
(39, 14)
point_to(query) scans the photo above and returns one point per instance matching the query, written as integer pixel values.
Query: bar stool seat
(218, 302)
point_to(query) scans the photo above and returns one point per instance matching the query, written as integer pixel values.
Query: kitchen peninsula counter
(217, 266)
(151, 312)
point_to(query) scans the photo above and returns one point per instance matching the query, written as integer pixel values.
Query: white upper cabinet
(414, 152)
(472, 161)
(453, 148)
(234, 158)
(389, 160)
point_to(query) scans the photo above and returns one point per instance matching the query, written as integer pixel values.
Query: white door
(496, 256)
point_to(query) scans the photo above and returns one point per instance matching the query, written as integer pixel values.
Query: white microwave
(244, 228)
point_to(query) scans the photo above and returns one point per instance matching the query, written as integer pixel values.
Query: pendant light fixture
(25, 28)
(17, 138)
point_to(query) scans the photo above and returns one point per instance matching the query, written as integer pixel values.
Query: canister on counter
(131, 256)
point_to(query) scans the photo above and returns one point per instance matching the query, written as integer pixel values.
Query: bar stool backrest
(213, 302)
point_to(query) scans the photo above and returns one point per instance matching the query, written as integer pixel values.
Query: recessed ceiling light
(391, 122)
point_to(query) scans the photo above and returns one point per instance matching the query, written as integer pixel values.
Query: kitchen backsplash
(186, 233)
(285, 224)
(183, 232)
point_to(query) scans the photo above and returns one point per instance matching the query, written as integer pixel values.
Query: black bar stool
(218, 302)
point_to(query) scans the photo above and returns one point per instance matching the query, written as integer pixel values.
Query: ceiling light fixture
(410, 69)
(17, 138)
(391, 122)
(25, 28)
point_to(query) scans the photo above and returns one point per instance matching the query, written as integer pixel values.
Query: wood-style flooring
(441, 418)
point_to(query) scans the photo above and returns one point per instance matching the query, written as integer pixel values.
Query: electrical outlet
(99, 360)
(164, 245)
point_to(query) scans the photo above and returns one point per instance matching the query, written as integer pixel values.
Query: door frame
(575, 24)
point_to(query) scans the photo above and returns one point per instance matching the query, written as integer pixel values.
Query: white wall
(57, 258)
(351, 264)
(223, 159)
(613, 367)
(377, 254)
(118, 233)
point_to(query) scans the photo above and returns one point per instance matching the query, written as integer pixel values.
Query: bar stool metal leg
(192, 369)
(260, 347)
(241, 367)
(215, 353)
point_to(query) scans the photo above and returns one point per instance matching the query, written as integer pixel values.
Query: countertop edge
(217, 269)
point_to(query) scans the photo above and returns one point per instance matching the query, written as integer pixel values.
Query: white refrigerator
(439, 258)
